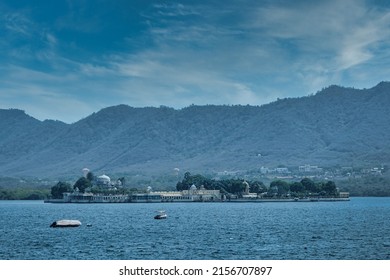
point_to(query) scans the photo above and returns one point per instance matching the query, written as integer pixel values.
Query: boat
(66, 223)
(161, 215)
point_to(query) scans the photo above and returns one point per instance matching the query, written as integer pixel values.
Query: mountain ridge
(335, 126)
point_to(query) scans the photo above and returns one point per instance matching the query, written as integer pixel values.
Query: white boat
(161, 215)
(66, 223)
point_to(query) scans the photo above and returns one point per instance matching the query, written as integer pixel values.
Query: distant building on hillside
(264, 170)
(307, 168)
(282, 170)
(278, 170)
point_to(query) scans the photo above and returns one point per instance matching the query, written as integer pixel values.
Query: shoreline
(238, 200)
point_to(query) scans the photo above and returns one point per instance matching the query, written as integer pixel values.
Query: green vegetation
(59, 189)
(39, 189)
(367, 186)
(23, 193)
(277, 188)
(82, 184)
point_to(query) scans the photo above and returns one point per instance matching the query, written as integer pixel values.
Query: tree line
(23, 193)
(279, 188)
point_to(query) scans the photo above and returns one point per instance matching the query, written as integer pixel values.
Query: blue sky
(67, 59)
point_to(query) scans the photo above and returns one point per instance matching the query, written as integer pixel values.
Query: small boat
(66, 223)
(161, 215)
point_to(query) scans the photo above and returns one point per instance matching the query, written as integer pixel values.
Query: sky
(64, 60)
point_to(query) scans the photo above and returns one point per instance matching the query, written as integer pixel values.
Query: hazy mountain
(336, 126)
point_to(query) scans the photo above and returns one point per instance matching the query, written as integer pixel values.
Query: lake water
(358, 229)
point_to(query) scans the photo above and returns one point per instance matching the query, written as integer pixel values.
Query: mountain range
(337, 126)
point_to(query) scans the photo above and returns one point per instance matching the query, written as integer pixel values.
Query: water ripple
(349, 230)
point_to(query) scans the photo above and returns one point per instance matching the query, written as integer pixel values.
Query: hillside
(336, 126)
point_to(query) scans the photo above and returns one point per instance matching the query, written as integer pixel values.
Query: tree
(197, 180)
(60, 188)
(237, 186)
(330, 188)
(281, 186)
(90, 176)
(180, 186)
(257, 187)
(81, 184)
(308, 185)
(297, 187)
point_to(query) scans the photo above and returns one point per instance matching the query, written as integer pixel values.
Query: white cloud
(175, 10)
(17, 23)
(51, 39)
(66, 96)
(262, 53)
(325, 38)
(360, 44)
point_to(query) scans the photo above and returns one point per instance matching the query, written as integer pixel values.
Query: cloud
(175, 10)
(324, 39)
(193, 54)
(51, 39)
(17, 23)
(361, 43)
(63, 95)
(171, 78)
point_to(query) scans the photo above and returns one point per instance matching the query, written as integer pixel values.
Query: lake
(354, 230)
